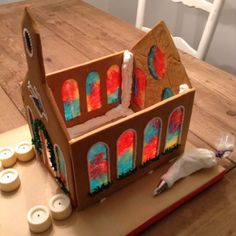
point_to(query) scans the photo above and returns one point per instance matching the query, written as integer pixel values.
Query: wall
(222, 52)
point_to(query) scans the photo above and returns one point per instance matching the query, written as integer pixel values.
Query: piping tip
(160, 188)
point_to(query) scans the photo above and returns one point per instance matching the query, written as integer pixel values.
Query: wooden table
(86, 33)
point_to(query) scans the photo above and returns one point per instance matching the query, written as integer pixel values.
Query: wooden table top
(86, 33)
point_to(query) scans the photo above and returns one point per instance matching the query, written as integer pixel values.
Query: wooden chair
(213, 9)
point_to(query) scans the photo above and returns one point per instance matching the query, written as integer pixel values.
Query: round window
(28, 42)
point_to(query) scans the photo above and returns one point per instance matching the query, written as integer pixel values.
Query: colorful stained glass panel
(174, 128)
(61, 165)
(70, 98)
(139, 87)
(166, 93)
(151, 140)
(93, 91)
(98, 166)
(113, 84)
(125, 152)
(156, 63)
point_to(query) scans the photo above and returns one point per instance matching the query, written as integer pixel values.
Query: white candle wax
(25, 151)
(39, 219)
(7, 156)
(9, 180)
(60, 206)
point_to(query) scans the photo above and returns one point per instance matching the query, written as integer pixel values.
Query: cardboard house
(101, 125)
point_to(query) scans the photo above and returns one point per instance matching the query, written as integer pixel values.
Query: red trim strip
(175, 205)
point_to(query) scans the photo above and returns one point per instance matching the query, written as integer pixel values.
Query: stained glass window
(166, 93)
(70, 98)
(113, 84)
(98, 166)
(152, 134)
(174, 129)
(139, 87)
(30, 119)
(61, 165)
(156, 63)
(126, 152)
(93, 91)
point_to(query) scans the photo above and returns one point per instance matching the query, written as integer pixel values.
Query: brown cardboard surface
(119, 214)
(36, 76)
(47, 106)
(65, 46)
(79, 73)
(109, 135)
(175, 72)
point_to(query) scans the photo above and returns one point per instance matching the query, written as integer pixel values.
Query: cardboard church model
(101, 125)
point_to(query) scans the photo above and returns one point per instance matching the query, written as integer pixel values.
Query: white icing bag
(189, 163)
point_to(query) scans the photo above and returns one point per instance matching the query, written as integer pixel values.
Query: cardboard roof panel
(156, 50)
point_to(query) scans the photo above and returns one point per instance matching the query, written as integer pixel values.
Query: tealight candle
(9, 180)
(39, 219)
(60, 206)
(1, 167)
(7, 156)
(24, 151)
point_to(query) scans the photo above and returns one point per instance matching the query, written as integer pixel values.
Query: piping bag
(194, 160)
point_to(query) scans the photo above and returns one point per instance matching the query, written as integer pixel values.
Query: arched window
(70, 98)
(140, 82)
(166, 93)
(156, 63)
(93, 91)
(113, 84)
(98, 166)
(151, 140)
(174, 129)
(61, 165)
(30, 119)
(126, 153)
(45, 150)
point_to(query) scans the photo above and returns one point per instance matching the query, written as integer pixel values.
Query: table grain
(74, 32)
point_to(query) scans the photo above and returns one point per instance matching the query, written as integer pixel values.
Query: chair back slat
(213, 9)
(200, 4)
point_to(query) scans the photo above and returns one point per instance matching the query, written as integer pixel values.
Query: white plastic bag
(194, 160)
(190, 162)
